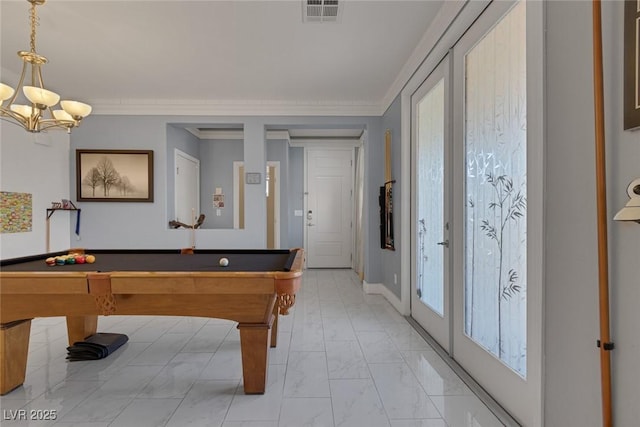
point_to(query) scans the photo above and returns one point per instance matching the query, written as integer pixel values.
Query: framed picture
(631, 64)
(385, 200)
(114, 175)
(218, 201)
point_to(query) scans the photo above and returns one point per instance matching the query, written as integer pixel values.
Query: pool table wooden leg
(274, 326)
(14, 348)
(81, 327)
(254, 344)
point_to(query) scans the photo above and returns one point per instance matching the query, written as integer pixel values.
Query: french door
(477, 205)
(430, 222)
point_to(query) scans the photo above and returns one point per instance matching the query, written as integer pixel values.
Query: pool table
(252, 290)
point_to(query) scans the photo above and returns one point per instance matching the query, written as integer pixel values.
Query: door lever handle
(445, 243)
(310, 225)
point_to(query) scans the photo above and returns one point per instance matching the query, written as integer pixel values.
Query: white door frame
(526, 403)
(437, 324)
(276, 198)
(276, 203)
(236, 193)
(176, 201)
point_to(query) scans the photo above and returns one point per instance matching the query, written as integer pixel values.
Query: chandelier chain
(34, 22)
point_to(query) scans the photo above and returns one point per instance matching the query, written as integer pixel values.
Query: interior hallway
(344, 359)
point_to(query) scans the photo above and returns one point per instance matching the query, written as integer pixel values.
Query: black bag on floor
(96, 347)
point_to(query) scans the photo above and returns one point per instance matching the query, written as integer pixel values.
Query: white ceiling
(189, 55)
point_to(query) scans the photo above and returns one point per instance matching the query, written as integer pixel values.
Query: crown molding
(232, 108)
(447, 14)
(325, 143)
(234, 134)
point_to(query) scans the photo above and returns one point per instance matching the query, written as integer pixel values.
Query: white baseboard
(380, 289)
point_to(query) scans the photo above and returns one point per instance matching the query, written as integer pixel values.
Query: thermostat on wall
(252, 178)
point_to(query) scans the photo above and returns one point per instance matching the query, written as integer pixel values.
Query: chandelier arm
(53, 123)
(39, 74)
(62, 123)
(5, 113)
(15, 93)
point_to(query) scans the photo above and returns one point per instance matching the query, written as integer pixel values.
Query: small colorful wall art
(16, 212)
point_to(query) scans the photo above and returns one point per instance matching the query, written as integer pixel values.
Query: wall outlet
(298, 212)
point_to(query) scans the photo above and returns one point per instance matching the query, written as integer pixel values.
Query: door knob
(445, 243)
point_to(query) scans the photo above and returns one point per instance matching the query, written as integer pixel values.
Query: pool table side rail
(248, 298)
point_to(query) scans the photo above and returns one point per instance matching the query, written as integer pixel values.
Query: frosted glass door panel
(430, 199)
(495, 217)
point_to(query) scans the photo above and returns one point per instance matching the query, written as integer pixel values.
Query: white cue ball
(224, 262)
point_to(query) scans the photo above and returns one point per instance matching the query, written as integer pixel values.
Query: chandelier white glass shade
(38, 114)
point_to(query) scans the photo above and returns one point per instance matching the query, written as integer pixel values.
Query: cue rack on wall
(65, 205)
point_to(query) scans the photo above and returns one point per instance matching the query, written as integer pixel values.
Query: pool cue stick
(48, 232)
(193, 228)
(601, 194)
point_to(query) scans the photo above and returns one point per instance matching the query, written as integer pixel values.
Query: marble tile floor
(344, 359)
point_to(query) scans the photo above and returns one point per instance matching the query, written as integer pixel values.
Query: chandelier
(39, 115)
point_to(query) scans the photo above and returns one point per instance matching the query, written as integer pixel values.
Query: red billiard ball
(79, 259)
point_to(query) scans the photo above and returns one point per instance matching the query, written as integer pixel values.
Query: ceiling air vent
(320, 10)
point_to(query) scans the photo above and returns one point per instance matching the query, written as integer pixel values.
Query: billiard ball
(224, 262)
(60, 260)
(79, 259)
(90, 259)
(50, 261)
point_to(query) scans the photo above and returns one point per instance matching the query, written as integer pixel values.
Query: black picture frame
(386, 216)
(631, 64)
(114, 175)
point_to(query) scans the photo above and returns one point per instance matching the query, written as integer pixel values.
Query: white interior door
(187, 179)
(497, 228)
(431, 184)
(329, 181)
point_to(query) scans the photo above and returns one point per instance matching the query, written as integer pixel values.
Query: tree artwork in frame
(631, 64)
(114, 175)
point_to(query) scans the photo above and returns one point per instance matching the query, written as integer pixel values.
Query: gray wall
(278, 151)
(373, 179)
(216, 170)
(122, 225)
(391, 259)
(37, 164)
(112, 225)
(572, 382)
